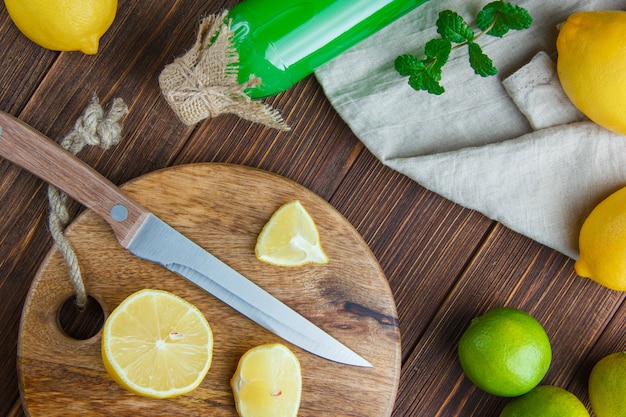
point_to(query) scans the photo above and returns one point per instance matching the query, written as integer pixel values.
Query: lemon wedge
(157, 345)
(290, 238)
(268, 382)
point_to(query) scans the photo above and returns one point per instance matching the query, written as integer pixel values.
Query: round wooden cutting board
(222, 208)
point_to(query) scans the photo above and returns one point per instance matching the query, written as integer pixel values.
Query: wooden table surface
(445, 264)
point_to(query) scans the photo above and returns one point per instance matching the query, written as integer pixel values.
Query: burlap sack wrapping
(203, 83)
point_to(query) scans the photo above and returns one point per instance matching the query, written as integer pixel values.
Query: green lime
(505, 352)
(607, 386)
(546, 401)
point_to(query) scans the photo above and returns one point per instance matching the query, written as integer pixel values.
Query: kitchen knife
(148, 237)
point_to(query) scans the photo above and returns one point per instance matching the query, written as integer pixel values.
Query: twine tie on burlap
(203, 83)
(94, 128)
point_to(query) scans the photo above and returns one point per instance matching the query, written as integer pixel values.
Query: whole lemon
(546, 401)
(602, 243)
(505, 352)
(591, 60)
(607, 386)
(63, 25)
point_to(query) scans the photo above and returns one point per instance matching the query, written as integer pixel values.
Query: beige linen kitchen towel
(510, 146)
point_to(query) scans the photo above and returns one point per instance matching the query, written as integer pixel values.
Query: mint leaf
(425, 74)
(423, 81)
(438, 50)
(516, 17)
(451, 26)
(489, 20)
(408, 64)
(480, 62)
(498, 17)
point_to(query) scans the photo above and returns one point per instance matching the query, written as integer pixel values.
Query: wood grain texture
(444, 263)
(31, 150)
(222, 208)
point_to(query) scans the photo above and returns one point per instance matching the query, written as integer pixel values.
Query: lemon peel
(602, 243)
(591, 50)
(63, 25)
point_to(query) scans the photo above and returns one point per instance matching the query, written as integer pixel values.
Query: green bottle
(283, 41)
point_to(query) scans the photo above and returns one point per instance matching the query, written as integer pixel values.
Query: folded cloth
(511, 146)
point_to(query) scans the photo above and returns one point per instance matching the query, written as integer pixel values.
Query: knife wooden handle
(30, 149)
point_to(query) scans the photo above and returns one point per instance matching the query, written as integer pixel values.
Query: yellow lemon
(157, 345)
(63, 25)
(505, 352)
(546, 401)
(602, 243)
(290, 238)
(591, 60)
(607, 386)
(268, 382)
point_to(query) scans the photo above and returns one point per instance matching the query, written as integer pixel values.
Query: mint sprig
(495, 19)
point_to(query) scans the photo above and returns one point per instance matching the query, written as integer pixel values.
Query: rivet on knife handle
(26, 147)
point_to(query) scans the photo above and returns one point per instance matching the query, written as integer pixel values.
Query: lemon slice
(157, 345)
(290, 238)
(268, 382)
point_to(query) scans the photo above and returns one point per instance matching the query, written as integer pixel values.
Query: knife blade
(150, 238)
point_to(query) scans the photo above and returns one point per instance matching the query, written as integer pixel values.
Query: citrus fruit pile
(591, 50)
(290, 238)
(591, 60)
(506, 352)
(63, 25)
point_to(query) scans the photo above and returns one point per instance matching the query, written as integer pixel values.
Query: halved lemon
(268, 382)
(290, 238)
(157, 345)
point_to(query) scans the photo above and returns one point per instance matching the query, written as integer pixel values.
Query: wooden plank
(422, 240)
(23, 65)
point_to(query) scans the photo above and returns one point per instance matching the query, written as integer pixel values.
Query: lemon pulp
(267, 382)
(290, 238)
(156, 344)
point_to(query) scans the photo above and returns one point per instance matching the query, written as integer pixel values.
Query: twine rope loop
(94, 128)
